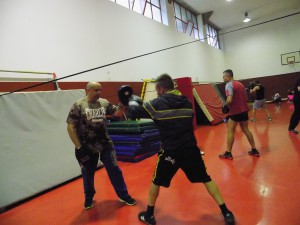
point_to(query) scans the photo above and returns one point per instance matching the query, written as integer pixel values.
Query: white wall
(70, 36)
(256, 51)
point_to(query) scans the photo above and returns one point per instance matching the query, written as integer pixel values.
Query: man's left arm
(115, 111)
(111, 109)
(131, 111)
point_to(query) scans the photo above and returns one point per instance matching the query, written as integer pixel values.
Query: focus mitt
(124, 94)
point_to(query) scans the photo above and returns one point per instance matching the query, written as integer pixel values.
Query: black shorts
(189, 160)
(239, 117)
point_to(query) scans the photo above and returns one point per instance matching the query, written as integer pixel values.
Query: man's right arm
(229, 93)
(137, 111)
(73, 135)
(229, 100)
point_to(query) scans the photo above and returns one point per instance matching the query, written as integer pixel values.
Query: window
(186, 21)
(153, 9)
(212, 36)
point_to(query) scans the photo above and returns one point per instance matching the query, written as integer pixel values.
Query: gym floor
(260, 191)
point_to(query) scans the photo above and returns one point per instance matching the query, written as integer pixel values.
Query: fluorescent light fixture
(247, 19)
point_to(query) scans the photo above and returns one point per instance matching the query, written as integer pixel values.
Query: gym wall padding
(185, 86)
(210, 101)
(277, 83)
(36, 152)
(110, 89)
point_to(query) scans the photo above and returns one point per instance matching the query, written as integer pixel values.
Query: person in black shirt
(173, 115)
(260, 101)
(296, 115)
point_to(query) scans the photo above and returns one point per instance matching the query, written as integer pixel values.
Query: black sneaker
(226, 155)
(150, 220)
(293, 131)
(128, 200)
(254, 152)
(229, 218)
(88, 204)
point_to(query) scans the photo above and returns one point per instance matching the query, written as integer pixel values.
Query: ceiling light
(247, 19)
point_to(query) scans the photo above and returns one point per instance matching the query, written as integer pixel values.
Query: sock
(224, 209)
(150, 211)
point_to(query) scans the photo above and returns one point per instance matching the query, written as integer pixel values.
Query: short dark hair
(229, 72)
(165, 81)
(257, 82)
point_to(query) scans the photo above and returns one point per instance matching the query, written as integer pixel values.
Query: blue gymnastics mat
(130, 126)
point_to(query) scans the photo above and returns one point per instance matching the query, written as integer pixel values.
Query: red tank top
(239, 103)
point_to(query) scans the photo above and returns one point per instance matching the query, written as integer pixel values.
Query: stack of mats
(134, 140)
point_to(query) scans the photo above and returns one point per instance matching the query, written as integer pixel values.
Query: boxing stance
(260, 101)
(173, 115)
(236, 105)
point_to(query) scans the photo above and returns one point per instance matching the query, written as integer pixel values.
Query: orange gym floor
(262, 191)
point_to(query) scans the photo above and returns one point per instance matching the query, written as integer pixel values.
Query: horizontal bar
(18, 71)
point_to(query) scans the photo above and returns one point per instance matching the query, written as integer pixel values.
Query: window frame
(212, 33)
(185, 24)
(144, 4)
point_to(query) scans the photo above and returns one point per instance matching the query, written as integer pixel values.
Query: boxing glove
(225, 109)
(125, 94)
(135, 100)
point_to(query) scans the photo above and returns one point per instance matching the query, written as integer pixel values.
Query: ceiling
(231, 13)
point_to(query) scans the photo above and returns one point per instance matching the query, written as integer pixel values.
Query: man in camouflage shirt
(87, 129)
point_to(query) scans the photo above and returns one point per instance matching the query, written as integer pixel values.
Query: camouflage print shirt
(90, 122)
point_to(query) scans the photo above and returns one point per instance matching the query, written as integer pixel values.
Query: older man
(87, 130)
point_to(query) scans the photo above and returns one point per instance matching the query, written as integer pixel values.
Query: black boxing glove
(252, 85)
(135, 101)
(125, 94)
(225, 109)
(82, 155)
